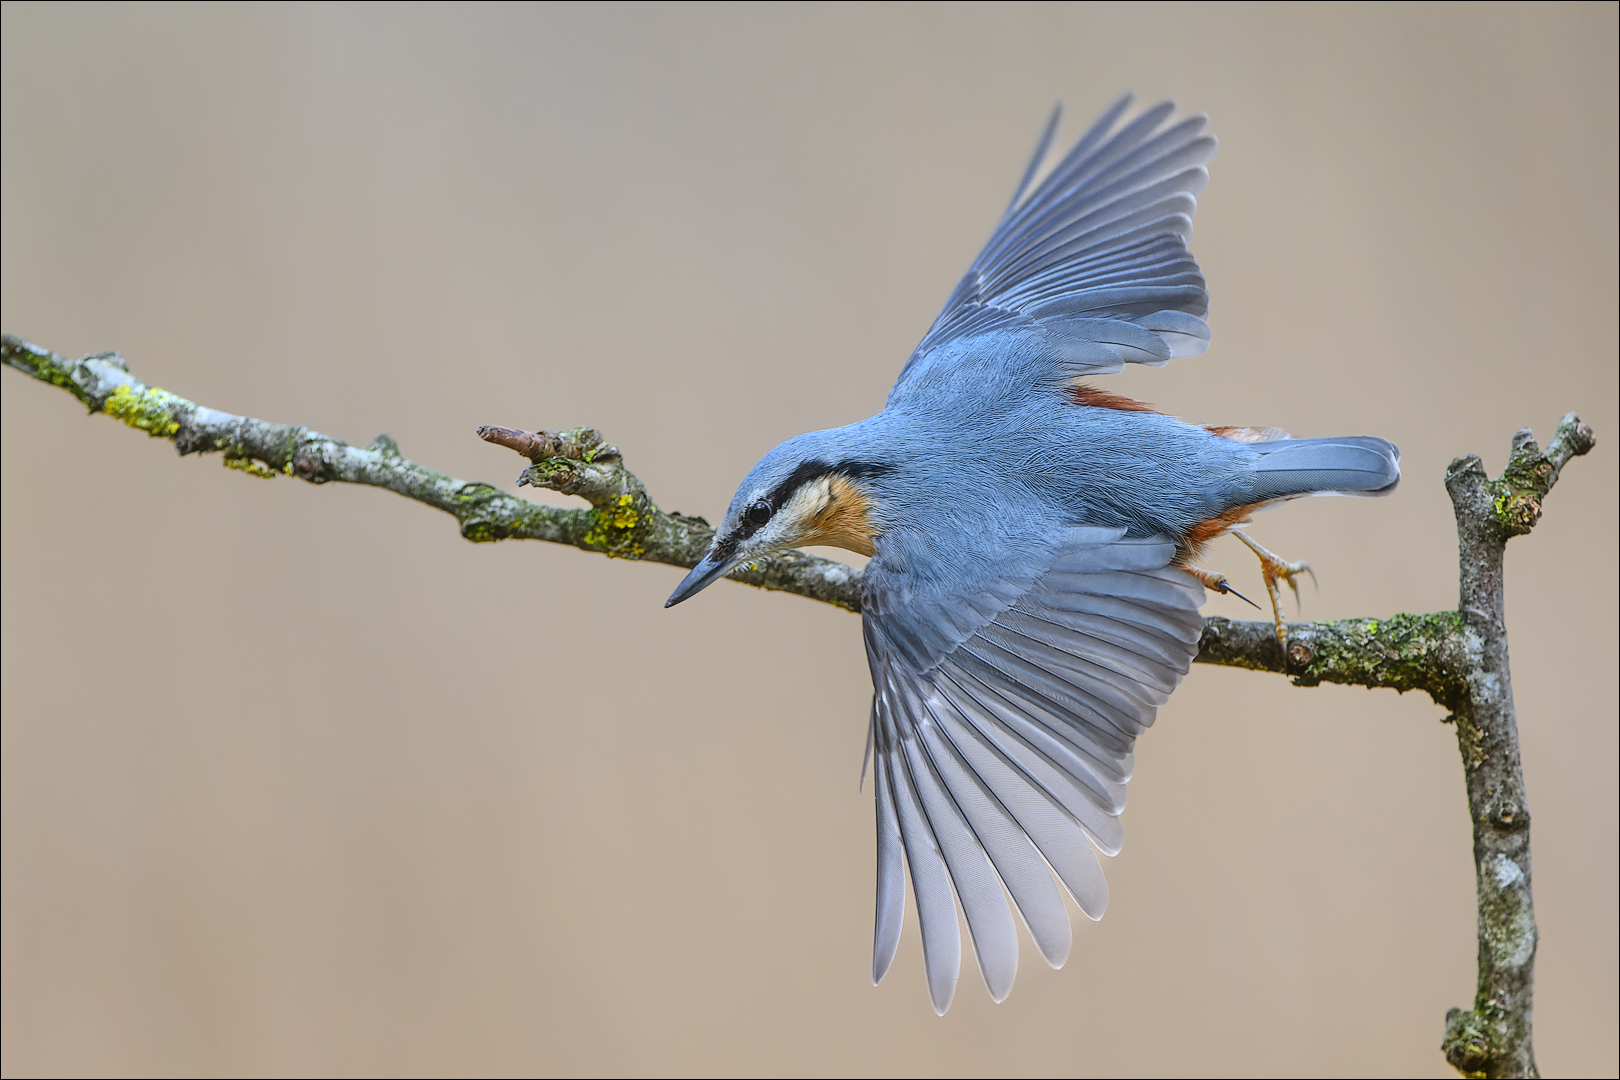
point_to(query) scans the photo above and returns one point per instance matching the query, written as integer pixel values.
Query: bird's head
(809, 490)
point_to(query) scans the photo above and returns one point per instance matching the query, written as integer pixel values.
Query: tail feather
(1352, 465)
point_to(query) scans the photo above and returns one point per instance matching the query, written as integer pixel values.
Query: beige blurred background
(298, 782)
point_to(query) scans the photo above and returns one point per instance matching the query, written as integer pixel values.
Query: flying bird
(1032, 593)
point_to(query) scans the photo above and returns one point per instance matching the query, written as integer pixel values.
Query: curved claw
(1225, 588)
(1273, 570)
(1218, 582)
(1290, 571)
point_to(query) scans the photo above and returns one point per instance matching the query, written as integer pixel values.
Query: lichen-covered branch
(1403, 652)
(621, 522)
(1494, 1037)
(1459, 658)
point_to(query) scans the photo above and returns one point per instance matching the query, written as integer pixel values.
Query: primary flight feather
(1032, 595)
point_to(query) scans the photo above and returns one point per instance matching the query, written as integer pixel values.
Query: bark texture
(1459, 658)
(1494, 1037)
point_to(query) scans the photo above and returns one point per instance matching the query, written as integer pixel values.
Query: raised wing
(1095, 258)
(1002, 734)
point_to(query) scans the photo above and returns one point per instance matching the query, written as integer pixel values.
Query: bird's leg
(1274, 569)
(1218, 582)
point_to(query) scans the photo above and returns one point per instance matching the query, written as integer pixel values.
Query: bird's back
(1007, 435)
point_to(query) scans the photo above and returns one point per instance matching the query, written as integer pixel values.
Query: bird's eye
(759, 513)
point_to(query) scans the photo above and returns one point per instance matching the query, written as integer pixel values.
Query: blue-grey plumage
(1030, 600)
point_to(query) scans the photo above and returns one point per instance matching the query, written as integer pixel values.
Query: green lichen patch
(1467, 1045)
(507, 518)
(1516, 510)
(485, 531)
(487, 514)
(476, 510)
(592, 446)
(475, 494)
(151, 410)
(1404, 652)
(1517, 494)
(56, 374)
(554, 473)
(45, 366)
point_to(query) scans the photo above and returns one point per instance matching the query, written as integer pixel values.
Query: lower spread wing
(1004, 748)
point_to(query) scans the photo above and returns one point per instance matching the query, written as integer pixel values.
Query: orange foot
(1273, 570)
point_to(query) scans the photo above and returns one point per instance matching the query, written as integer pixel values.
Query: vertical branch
(1494, 1037)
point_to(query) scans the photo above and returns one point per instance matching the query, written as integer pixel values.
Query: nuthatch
(1032, 597)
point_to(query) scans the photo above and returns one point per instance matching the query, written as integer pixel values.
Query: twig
(1459, 658)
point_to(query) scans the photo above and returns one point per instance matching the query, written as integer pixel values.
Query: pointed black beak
(703, 574)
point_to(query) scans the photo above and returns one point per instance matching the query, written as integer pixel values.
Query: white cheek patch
(795, 517)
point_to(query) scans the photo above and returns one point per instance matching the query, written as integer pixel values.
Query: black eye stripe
(808, 471)
(815, 469)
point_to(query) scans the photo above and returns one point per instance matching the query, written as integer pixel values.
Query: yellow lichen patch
(615, 529)
(625, 516)
(251, 467)
(151, 410)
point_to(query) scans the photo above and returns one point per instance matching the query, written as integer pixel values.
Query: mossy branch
(1459, 658)
(622, 521)
(1403, 652)
(1494, 1037)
